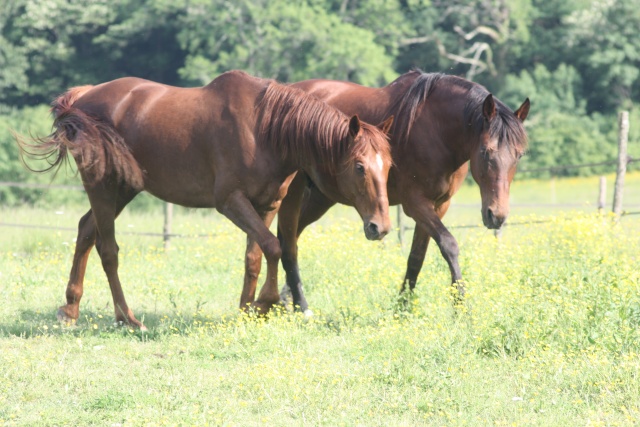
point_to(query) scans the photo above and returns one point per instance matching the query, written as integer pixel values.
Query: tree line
(577, 60)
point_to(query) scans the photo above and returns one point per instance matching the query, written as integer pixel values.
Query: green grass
(550, 336)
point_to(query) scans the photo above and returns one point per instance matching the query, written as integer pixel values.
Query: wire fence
(622, 162)
(580, 166)
(166, 236)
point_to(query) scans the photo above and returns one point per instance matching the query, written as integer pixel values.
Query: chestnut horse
(235, 145)
(441, 123)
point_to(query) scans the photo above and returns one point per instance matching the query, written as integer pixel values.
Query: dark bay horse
(441, 123)
(234, 145)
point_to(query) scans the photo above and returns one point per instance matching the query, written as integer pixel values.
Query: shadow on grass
(33, 324)
(101, 322)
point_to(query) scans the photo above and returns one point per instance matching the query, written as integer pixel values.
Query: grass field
(550, 334)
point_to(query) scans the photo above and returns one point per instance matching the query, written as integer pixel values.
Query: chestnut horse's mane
(299, 125)
(508, 129)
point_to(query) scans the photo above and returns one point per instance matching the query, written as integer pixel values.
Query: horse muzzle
(492, 220)
(374, 232)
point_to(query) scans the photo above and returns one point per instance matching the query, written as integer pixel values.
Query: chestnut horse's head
(344, 157)
(363, 172)
(500, 144)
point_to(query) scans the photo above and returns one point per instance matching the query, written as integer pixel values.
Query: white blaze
(379, 161)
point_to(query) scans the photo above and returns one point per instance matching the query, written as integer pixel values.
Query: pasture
(550, 334)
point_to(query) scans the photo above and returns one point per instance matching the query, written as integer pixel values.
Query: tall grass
(550, 333)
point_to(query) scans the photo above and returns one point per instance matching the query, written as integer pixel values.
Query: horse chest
(268, 196)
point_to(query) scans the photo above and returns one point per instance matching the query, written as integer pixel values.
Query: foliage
(28, 121)
(257, 37)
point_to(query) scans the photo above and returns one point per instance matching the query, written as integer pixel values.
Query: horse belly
(177, 177)
(184, 191)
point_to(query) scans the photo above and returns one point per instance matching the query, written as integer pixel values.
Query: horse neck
(316, 145)
(455, 138)
(321, 165)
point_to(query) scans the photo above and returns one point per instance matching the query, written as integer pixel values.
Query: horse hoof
(64, 318)
(133, 323)
(260, 308)
(308, 314)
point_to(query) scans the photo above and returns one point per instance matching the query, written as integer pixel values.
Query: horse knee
(449, 245)
(272, 249)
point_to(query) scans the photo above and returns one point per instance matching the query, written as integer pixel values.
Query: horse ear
(354, 126)
(523, 111)
(386, 125)
(489, 108)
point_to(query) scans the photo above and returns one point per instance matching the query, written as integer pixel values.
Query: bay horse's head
(363, 172)
(501, 141)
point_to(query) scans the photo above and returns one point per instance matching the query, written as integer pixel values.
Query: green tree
(279, 39)
(48, 46)
(472, 38)
(606, 37)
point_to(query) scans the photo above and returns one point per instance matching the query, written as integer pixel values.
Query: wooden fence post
(623, 138)
(400, 225)
(602, 194)
(168, 219)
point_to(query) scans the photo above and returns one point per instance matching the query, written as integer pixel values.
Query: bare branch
(477, 65)
(482, 29)
(416, 40)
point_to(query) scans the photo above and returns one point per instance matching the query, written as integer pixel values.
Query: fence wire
(177, 235)
(584, 165)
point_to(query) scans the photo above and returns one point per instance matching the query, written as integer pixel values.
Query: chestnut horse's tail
(96, 146)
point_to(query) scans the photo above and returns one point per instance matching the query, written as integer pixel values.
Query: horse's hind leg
(416, 257)
(98, 227)
(84, 243)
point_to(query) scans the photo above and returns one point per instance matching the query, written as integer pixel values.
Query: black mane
(508, 129)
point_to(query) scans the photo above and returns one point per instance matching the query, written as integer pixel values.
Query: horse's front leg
(422, 210)
(419, 246)
(296, 213)
(252, 266)
(242, 213)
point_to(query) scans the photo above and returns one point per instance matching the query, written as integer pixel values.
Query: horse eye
(360, 168)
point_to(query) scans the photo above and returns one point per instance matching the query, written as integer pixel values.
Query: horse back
(207, 133)
(350, 98)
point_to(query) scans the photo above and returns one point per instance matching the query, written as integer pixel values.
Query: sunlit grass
(549, 335)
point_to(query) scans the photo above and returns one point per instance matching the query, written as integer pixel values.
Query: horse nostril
(373, 229)
(490, 216)
(493, 220)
